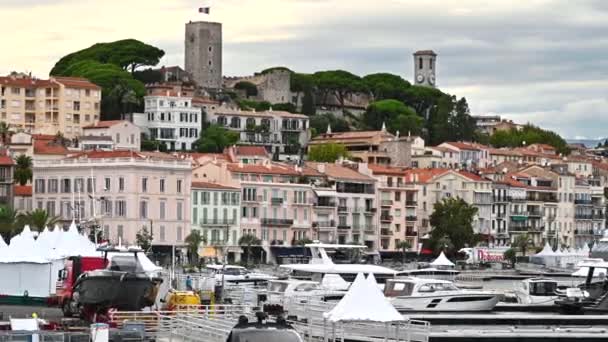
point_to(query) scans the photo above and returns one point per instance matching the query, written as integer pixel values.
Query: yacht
(431, 273)
(536, 291)
(237, 274)
(416, 294)
(321, 264)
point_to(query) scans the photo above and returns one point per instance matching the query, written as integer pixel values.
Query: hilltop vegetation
(528, 135)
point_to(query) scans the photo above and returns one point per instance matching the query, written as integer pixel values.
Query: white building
(170, 118)
(111, 134)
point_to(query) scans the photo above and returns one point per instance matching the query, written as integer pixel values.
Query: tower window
(209, 62)
(420, 63)
(431, 64)
(210, 48)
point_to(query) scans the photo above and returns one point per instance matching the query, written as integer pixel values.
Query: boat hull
(456, 302)
(121, 291)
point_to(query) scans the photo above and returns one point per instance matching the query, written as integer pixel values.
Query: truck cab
(74, 267)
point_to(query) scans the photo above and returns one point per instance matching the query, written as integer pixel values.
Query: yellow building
(59, 104)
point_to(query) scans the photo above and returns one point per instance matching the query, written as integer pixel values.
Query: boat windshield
(305, 287)
(277, 287)
(433, 287)
(394, 289)
(234, 271)
(543, 288)
(125, 263)
(264, 335)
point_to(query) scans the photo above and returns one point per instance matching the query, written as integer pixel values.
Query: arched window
(235, 122)
(221, 120)
(250, 122)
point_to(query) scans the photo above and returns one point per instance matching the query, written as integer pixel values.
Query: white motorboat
(416, 294)
(237, 274)
(536, 291)
(301, 290)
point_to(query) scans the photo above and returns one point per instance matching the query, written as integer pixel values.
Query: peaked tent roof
(364, 302)
(442, 260)
(546, 251)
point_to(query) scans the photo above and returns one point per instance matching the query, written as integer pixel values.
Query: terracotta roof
(337, 171)
(197, 156)
(204, 101)
(543, 146)
(504, 152)
(95, 138)
(49, 147)
(272, 169)
(43, 136)
(207, 185)
(27, 82)
(466, 145)
(251, 151)
(426, 175)
(76, 82)
(378, 169)
(353, 135)
(23, 190)
(105, 124)
(473, 176)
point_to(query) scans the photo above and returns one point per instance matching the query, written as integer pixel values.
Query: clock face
(420, 78)
(432, 79)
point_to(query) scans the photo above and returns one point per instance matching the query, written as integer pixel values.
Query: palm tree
(9, 221)
(5, 133)
(39, 218)
(444, 244)
(194, 240)
(403, 246)
(522, 242)
(23, 169)
(246, 242)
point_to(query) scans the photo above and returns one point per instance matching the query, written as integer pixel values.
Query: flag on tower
(204, 10)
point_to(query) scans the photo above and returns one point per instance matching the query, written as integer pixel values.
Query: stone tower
(425, 68)
(204, 53)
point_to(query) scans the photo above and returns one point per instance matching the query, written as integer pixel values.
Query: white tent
(2, 243)
(442, 261)
(364, 302)
(546, 251)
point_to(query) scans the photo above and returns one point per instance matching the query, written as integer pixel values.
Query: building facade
(121, 191)
(60, 104)
(123, 135)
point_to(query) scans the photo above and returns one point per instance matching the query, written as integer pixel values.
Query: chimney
(321, 167)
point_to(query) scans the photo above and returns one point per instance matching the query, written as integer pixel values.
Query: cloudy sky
(539, 61)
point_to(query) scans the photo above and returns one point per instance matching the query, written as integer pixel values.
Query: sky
(538, 61)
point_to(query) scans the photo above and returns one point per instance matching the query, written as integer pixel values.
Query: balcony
(325, 203)
(584, 232)
(276, 201)
(410, 203)
(535, 213)
(583, 216)
(583, 201)
(386, 218)
(386, 203)
(356, 210)
(411, 218)
(410, 232)
(252, 199)
(501, 215)
(525, 229)
(343, 226)
(598, 217)
(217, 222)
(386, 232)
(500, 199)
(532, 198)
(370, 210)
(324, 224)
(342, 209)
(276, 222)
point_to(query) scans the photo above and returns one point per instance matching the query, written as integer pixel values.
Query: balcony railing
(370, 209)
(276, 201)
(411, 218)
(528, 229)
(217, 222)
(411, 232)
(342, 209)
(501, 214)
(324, 224)
(320, 203)
(583, 201)
(583, 216)
(386, 203)
(343, 226)
(410, 203)
(583, 232)
(276, 222)
(386, 218)
(535, 213)
(552, 199)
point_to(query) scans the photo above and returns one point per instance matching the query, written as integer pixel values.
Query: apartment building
(171, 118)
(353, 194)
(216, 210)
(398, 198)
(7, 169)
(59, 104)
(121, 191)
(470, 155)
(284, 135)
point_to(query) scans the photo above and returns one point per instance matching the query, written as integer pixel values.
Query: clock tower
(425, 68)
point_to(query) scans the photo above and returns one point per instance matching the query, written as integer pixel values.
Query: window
(50, 208)
(91, 184)
(179, 186)
(179, 210)
(162, 210)
(194, 215)
(162, 233)
(162, 185)
(39, 186)
(179, 233)
(195, 197)
(107, 208)
(143, 209)
(108, 184)
(121, 208)
(65, 185)
(144, 184)
(15, 91)
(121, 184)
(215, 197)
(53, 186)
(118, 138)
(76, 105)
(420, 63)
(119, 232)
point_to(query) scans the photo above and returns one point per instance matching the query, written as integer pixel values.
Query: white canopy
(546, 251)
(2, 243)
(442, 260)
(364, 302)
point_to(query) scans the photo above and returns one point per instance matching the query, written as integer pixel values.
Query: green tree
(320, 122)
(444, 244)
(5, 133)
(338, 83)
(529, 134)
(385, 86)
(148, 76)
(403, 246)
(249, 88)
(510, 255)
(396, 115)
(522, 241)
(327, 153)
(215, 138)
(308, 104)
(193, 242)
(258, 106)
(453, 218)
(246, 242)
(39, 218)
(143, 238)
(23, 169)
(148, 144)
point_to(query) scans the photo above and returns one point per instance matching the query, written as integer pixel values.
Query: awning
(208, 252)
(325, 193)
